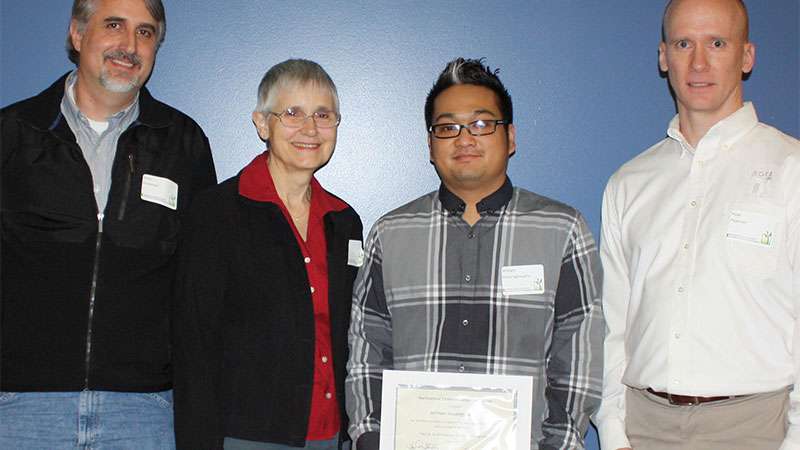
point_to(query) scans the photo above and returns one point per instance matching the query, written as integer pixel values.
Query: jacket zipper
(127, 190)
(92, 295)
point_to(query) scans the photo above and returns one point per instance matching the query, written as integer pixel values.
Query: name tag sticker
(751, 227)
(162, 191)
(523, 280)
(355, 254)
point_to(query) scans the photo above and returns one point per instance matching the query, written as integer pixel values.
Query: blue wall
(583, 76)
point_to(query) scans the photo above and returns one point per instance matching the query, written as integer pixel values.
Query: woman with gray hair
(265, 279)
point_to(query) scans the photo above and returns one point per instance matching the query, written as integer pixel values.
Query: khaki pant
(754, 422)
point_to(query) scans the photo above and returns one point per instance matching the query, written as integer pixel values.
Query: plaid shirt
(429, 297)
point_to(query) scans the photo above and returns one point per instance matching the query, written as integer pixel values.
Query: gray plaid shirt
(429, 297)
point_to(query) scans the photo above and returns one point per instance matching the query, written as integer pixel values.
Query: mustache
(459, 153)
(132, 58)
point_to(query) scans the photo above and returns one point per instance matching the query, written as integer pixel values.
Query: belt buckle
(693, 402)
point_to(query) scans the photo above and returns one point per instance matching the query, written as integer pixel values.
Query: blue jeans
(86, 420)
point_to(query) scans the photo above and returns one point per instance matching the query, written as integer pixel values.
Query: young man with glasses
(435, 292)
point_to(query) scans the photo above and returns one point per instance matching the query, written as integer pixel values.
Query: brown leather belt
(689, 400)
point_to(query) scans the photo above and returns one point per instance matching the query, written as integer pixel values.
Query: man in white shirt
(701, 254)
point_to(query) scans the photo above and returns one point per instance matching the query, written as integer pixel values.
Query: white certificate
(449, 411)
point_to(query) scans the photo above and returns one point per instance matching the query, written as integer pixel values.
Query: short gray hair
(292, 71)
(82, 11)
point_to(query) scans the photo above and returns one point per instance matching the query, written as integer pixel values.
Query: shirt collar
(493, 202)
(255, 183)
(70, 107)
(724, 133)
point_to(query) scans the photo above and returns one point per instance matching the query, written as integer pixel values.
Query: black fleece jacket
(85, 306)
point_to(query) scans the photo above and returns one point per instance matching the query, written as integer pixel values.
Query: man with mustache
(479, 276)
(96, 177)
(701, 255)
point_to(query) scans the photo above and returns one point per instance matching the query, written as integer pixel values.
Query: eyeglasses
(295, 118)
(479, 127)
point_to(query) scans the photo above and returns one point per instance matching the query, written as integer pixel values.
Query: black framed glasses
(480, 127)
(296, 117)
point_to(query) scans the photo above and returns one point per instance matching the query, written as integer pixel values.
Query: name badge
(162, 191)
(751, 227)
(523, 280)
(355, 254)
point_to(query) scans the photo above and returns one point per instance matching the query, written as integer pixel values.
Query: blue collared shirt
(98, 149)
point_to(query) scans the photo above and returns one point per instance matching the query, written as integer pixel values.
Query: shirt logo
(763, 175)
(761, 179)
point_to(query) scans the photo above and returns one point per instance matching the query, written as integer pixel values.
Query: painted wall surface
(583, 76)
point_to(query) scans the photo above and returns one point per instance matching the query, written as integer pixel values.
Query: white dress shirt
(702, 269)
